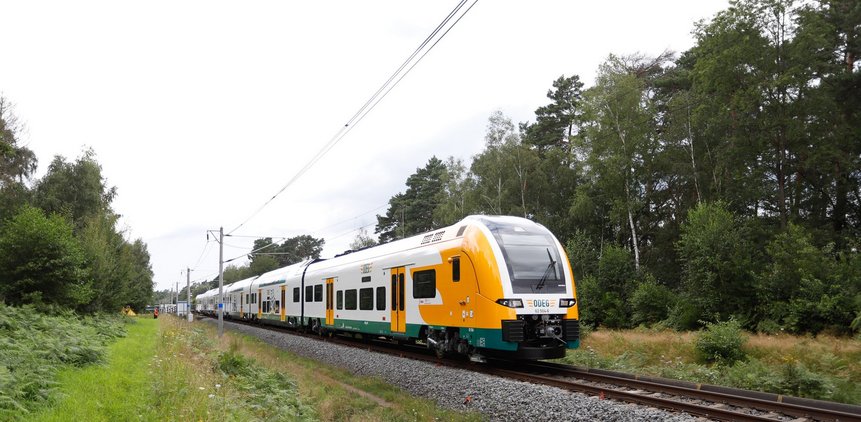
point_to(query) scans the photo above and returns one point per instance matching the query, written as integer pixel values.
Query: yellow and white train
(486, 286)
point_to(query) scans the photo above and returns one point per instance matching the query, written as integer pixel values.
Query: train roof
(280, 275)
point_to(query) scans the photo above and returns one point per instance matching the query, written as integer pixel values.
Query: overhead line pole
(188, 291)
(220, 281)
(220, 278)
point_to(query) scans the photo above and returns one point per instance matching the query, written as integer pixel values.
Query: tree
(75, 189)
(362, 240)
(41, 262)
(555, 123)
(412, 212)
(620, 142)
(458, 195)
(290, 251)
(16, 162)
(716, 264)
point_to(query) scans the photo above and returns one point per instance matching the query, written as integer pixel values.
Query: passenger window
(350, 299)
(340, 299)
(277, 306)
(309, 293)
(455, 268)
(381, 298)
(424, 284)
(366, 299)
(318, 293)
(295, 294)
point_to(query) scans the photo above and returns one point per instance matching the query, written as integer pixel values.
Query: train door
(259, 303)
(241, 303)
(330, 301)
(399, 320)
(283, 297)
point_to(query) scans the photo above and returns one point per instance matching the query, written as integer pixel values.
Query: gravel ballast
(498, 398)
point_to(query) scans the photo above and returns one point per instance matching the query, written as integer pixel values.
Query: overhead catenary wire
(371, 103)
(358, 116)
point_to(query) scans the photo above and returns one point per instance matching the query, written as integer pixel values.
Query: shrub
(800, 381)
(684, 315)
(651, 302)
(721, 342)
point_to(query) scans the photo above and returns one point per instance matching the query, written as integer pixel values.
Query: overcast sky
(200, 111)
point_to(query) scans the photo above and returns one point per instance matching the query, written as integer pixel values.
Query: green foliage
(412, 212)
(268, 394)
(41, 261)
(76, 190)
(362, 240)
(34, 346)
(716, 260)
(804, 288)
(651, 302)
(799, 381)
(721, 342)
(16, 162)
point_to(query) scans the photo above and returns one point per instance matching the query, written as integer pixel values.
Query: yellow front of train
(526, 301)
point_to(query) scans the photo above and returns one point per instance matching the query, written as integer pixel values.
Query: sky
(200, 111)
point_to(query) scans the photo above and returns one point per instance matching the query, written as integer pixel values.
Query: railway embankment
(168, 369)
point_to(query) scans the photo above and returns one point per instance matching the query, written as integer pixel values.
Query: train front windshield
(531, 256)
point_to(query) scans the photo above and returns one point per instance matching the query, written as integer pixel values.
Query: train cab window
(381, 298)
(309, 293)
(318, 293)
(455, 268)
(366, 299)
(350, 299)
(295, 294)
(340, 300)
(424, 284)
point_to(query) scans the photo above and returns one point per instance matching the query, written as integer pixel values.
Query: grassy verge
(110, 392)
(824, 367)
(338, 395)
(167, 369)
(36, 345)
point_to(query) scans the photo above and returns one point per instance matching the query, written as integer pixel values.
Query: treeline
(59, 240)
(722, 182)
(267, 255)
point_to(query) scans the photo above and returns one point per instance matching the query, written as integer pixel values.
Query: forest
(60, 243)
(718, 183)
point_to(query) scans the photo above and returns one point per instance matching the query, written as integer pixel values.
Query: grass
(823, 367)
(167, 369)
(337, 395)
(110, 392)
(36, 345)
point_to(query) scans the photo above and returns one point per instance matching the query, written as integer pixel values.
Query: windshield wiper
(550, 266)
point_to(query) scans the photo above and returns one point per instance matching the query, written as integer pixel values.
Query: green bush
(721, 342)
(651, 302)
(802, 382)
(684, 315)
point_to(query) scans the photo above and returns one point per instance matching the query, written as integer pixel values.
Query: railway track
(709, 401)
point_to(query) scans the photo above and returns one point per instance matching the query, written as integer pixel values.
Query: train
(487, 286)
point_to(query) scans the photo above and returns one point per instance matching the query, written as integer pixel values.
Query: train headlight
(567, 302)
(511, 303)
